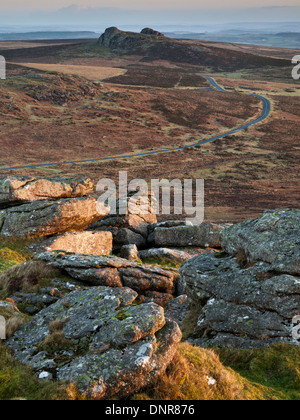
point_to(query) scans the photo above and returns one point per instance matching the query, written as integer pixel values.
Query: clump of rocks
(116, 39)
(249, 295)
(43, 207)
(110, 323)
(273, 238)
(131, 228)
(100, 340)
(16, 190)
(112, 271)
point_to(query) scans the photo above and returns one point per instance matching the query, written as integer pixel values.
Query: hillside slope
(153, 46)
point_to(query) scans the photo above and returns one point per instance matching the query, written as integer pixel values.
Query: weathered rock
(104, 276)
(244, 322)
(133, 222)
(159, 298)
(91, 243)
(45, 218)
(152, 32)
(108, 347)
(6, 305)
(45, 376)
(32, 303)
(127, 237)
(113, 271)
(42, 297)
(168, 255)
(253, 304)
(169, 224)
(177, 309)
(131, 227)
(205, 235)
(166, 224)
(130, 252)
(106, 38)
(115, 39)
(274, 238)
(18, 189)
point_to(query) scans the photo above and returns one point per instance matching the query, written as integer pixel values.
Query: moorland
(78, 100)
(75, 111)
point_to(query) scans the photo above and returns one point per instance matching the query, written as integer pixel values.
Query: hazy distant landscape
(269, 26)
(280, 40)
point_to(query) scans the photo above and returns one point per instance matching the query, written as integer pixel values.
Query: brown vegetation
(24, 277)
(245, 173)
(198, 374)
(89, 72)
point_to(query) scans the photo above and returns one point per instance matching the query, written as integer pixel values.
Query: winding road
(264, 114)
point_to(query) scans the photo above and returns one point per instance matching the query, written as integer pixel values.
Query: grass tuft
(14, 320)
(198, 374)
(13, 251)
(18, 382)
(276, 367)
(24, 277)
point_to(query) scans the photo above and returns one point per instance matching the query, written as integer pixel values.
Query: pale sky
(29, 5)
(100, 14)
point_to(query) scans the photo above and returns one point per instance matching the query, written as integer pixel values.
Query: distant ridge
(47, 35)
(114, 38)
(153, 45)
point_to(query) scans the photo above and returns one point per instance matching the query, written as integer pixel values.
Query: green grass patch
(9, 258)
(87, 50)
(198, 374)
(189, 323)
(276, 367)
(162, 262)
(13, 251)
(18, 382)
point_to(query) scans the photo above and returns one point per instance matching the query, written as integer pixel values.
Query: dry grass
(56, 326)
(55, 342)
(189, 323)
(276, 367)
(13, 251)
(92, 73)
(9, 258)
(198, 374)
(24, 277)
(194, 374)
(11, 45)
(14, 320)
(18, 382)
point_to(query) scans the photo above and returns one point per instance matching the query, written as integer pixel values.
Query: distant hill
(280, 40)
(155, 46)
(34, 36)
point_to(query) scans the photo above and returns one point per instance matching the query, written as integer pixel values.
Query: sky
(96, 15)
(35, 5)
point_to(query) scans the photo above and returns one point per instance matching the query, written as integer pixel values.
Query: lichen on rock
(106, 345)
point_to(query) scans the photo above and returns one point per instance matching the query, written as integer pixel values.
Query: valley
(71, 101)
